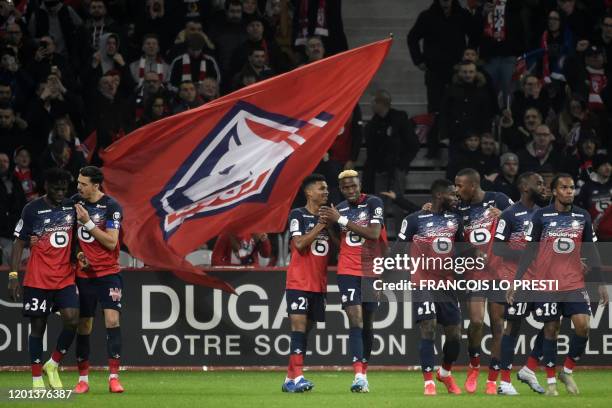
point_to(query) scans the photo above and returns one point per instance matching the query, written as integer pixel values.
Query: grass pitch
(263, 389)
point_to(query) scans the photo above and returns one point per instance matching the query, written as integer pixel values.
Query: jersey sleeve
(589, 234)
(114, 216)
(408, 228)
(376, 210)
(296, 224)
(25, 226)
(502, 201)
(504, 227)
(534, 229)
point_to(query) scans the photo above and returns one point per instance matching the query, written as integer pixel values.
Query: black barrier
(166, 322)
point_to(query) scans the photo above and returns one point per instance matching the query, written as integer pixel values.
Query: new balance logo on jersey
(237, 162)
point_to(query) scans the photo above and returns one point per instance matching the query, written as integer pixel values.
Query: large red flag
(232, 165)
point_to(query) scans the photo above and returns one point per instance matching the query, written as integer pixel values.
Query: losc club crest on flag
(238, 162)
(233, 165)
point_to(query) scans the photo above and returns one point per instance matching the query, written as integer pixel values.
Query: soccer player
(360, 218)
(480, 211)
(48, 224)
(433, 234)
(564, 233)
(98, 273)
(306, 276)
(509, 244)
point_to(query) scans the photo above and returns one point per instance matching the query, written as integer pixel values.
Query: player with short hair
(564, 233)
(306, 285)
(362, 236)
(433, 234)
(47, 223)
(509, 244)
(480, 211)
(98, 273)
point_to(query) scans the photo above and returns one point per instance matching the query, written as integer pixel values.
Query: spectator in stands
(107, 114)
(490, 154)
(465, 105)
(150, 61)
(575, 119)
(315, 50)
(60, 21)
(322, 18)
(64, 129)
(578, 21)
(275, 59)
(151, 87)
(208, 90)
(53, 100)
(26, 174)
(47, 61)
(12, 132)
(581, 160)
(187, 98)
(249, 249)
(108, 58)
(468, 154)
(604, 41)
(59, 154)
(180, 42)
(345, 149)
(401, 201)
(153, 19)
(589, 78)
(471, 54)
(22, 47)
(279, 16)
(12, 201)
(443, 29)
(193, 65)
(557, 43)
(11, 73)
(181, 11)
(98, 24)
(503, 39)
(391, 146)
(504, 181)
(529, 96)
(155, 109)
(515, 135)
(540, 152)
(255, 67)
(595, 195)
(228, 29)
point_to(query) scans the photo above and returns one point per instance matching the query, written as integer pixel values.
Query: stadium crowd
(512, 86)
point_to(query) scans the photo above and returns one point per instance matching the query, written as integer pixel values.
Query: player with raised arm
(509, 244)
(306, 277)
(48, 286)
(563, 233)
(362, 236)
(98, 273)
(433, 234)
(480, 211)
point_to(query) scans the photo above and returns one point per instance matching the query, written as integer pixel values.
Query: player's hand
(494, 212)
(510, 296)
(603, 295)
(82, 214)
(14, 289)
(83, 261)
(426, 207)
(33, 240)
(330, 214)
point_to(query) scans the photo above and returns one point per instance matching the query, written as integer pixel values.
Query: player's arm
(13, 284)
(334, 234)
(108, 238)
(372, 231)
(303, 241)
(532, 235)
(502, 237)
